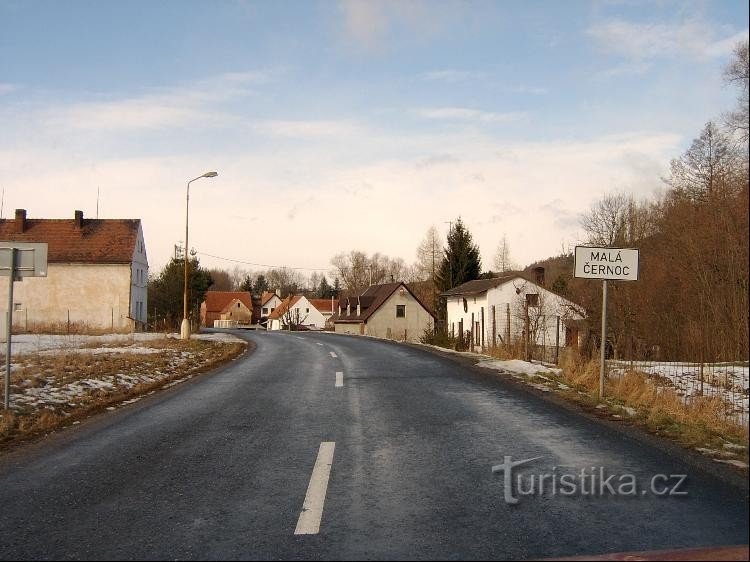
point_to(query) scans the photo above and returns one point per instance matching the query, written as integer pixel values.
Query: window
(400, 311)
(265, 310)
(307, 310)
(238, 305)
(532, 299)
(17, 306)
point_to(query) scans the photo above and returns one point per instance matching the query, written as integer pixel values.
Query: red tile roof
(324, 305)
(267, 296)
(217, 301)
(285, 305)
(97, 241)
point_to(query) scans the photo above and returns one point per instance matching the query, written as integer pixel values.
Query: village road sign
(30, 259)
(614, 264)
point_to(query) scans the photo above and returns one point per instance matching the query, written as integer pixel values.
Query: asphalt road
(220, 468)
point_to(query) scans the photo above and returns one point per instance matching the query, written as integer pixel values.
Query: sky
(343, 125)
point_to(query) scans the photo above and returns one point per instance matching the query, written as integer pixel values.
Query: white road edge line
(312, 510)
(333, 354)
(339, 379)
(319, 343)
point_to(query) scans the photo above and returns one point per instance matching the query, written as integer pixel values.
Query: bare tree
(429, 254)
(503, 261)
(617, 219)
(706, 167)
(292, 318)
(736, 74)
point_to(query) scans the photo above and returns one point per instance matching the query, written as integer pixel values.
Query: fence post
(461, 332)
(494, 328)
(472, 332)
(482, 333)
(507, 325)
(557, 342)
(68, 321)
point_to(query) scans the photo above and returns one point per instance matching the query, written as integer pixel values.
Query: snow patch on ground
(520, 367)
(34, 343)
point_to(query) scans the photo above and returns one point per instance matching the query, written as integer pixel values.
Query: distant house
(298, 309)
(268, 303)
(501, 310)
(97, 275)
(233, 306)
(390, 311)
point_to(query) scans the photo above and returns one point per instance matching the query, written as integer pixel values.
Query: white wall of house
(512, 296)
(97, 296)
(270, 305)
(139, 281)
(308, 314)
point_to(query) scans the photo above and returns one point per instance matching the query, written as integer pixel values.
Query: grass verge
(56, 388)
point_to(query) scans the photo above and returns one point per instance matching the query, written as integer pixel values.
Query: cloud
(178, 107)
(467, 114)
(6, 88)
(452, 76)
(307, 129)
(437, 160)
(692, 39)
(370, 25)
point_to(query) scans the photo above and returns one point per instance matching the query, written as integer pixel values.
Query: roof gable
(372, 299)
(217, 301)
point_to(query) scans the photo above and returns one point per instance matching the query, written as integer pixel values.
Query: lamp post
(185, 327)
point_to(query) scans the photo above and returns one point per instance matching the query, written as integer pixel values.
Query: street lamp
(185, 328)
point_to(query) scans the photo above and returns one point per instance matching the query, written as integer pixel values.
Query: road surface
(319, 446)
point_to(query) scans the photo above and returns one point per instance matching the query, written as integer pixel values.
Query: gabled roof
(370, 300)
(101, 241)
(326, 306)
(267, 296)
(217, 301)
(285, 305)
(479, 286)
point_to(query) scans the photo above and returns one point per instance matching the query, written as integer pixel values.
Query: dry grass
(50, 390)
(700, 421)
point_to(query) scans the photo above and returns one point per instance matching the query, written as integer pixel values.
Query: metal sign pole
(9, 325)
(602, 366)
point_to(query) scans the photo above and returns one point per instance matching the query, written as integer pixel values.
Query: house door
(362, 329)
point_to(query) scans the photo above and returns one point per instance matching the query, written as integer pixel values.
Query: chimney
(539, 276)
(79, 220)
(278, 293)
(20, 221)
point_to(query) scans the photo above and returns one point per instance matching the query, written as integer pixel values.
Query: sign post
(615, 264)
(18, 260)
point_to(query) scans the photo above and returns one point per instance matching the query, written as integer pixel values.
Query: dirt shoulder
(57, 381)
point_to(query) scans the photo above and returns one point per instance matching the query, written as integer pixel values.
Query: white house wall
(139, 281)
(504, 298)
(97, 296)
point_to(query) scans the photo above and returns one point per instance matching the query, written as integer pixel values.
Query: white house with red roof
(97, 274)
(312, 314)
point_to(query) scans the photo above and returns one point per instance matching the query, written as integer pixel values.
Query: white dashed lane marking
(312, 510)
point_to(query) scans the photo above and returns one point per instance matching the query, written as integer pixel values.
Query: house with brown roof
(390, 311)
(269, 301)
(232, 308)
(97, 275)
(312, 314)
(503, 310)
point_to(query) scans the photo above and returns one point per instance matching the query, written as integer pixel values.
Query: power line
(262, 264)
